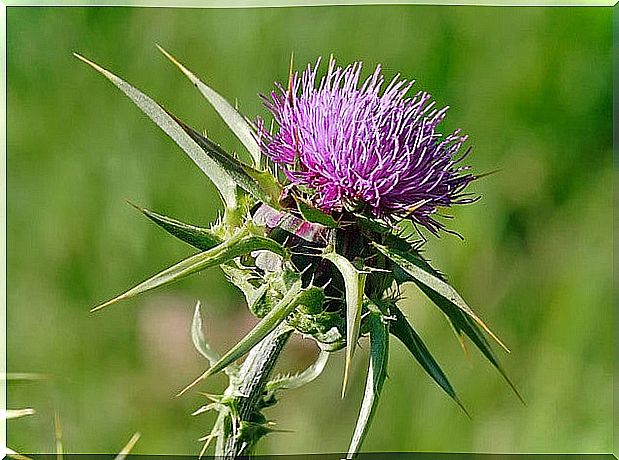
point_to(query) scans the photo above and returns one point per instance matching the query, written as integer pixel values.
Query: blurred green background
(532, 87)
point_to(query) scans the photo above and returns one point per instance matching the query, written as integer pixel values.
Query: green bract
(331, 279)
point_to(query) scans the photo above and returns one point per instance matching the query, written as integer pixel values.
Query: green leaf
(403, 330)
(423, 275)
(241, 244)
(314, 215)
(240, 277)
(354, 282)
(198, 338)
(372, 225)
(198, 237)
(294, 297)
(235, 121)
(163, 119)
(377, 372)
(260, 184)
(310, 374)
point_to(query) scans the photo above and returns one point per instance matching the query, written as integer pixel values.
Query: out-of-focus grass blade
(235, 121)
(9, 414)
(12, 414)
(128, 447)
(422, 275)
(234, 247)
(377, 372)
(12, 454)
(198, 237)
(162, 118)
(58, 433)
(262, 185)
(293, 298)
(310, 374)
(26, 376)
(354, 281)
(403, 330)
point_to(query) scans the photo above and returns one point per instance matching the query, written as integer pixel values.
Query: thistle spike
(162, 118)
(354, 282)
(237, 123)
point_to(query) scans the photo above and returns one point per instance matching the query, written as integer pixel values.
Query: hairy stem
(253, 376)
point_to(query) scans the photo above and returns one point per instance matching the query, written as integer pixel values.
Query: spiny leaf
(463, 323)
(377, 372)
(418, 270)
(236, 246)
(128, 447)
(235, 121)
(446, 298)
(198, 237)
(162, 118)
(403, 330)
(249, 432)
(302, 378)
(354, 281)
(240, 277)
(293, 298)
(260, 184)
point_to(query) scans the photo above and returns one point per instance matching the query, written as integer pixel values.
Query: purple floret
(353, 146)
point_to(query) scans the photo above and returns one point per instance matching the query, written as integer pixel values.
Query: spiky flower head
(351, 146)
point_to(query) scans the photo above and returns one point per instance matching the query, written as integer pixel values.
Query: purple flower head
(353, 146)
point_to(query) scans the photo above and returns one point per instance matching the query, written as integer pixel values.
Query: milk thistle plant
(312, 234)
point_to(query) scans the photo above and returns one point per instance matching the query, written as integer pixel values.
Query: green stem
(253, 377)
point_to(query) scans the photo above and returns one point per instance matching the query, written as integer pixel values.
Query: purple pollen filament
(354, 146)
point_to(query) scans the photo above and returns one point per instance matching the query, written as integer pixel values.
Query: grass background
(532, 87)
